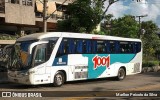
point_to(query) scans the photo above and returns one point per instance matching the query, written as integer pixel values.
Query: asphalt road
(93, 88)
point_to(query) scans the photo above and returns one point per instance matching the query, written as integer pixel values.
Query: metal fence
(5, 54)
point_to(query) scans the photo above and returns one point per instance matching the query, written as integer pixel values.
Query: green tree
(106, 25)
(125, 27)
(85, 15)
(151, 41)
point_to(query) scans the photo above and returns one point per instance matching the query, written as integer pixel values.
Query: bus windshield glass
(21, 58)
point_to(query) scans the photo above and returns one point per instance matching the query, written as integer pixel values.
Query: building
(26, 16)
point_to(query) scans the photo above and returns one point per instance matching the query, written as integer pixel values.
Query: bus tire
(59, 79)
(121, 74)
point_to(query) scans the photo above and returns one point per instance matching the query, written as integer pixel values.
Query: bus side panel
(135, 66)
(92, 66)
(97, 65)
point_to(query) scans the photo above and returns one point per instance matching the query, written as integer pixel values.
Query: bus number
(101, 61)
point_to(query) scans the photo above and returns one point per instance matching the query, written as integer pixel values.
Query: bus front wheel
(121, 74)
(59, 79)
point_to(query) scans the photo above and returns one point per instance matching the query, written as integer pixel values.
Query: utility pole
(45, 15)
(139, 21)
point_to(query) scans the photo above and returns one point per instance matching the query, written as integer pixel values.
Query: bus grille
(81, 75)
(136, 68)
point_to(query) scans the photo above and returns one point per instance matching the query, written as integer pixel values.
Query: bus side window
(94, 46)
(87, 46)
(117, 49)
(123, 47)
(71, 46)
(130, 47)
(112, 47)
(40, 55)
(137, 47)
(67, 46)
(126, 47)
(50, 47)
(63, 48)
(79, 44)
(101, 47)
(107, 46)
(84, 46)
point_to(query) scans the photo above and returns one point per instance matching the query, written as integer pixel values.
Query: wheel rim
(59, 79)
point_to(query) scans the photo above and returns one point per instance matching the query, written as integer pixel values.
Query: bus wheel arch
(59, 78)
(65, 75)
(121, 73)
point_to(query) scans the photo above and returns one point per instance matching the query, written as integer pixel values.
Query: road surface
(93, 88)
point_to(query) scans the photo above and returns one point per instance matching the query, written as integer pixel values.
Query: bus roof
(38, 36)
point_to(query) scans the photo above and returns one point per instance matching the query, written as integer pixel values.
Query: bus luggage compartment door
(81, 72)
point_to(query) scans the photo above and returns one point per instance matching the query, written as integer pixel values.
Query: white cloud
(153, 12)
(138, 8)
(117, 9)
(149, 7)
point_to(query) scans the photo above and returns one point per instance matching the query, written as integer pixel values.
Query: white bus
(57, 57)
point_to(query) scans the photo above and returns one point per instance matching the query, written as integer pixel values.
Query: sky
(151, 8)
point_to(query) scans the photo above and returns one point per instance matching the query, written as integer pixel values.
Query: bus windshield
(24, 56)
(21, 58)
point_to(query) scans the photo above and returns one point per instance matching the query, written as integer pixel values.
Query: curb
(151, 69)
(3, 77)
(4, 81)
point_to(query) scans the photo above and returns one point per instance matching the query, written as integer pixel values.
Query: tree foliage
(151, 41)
(85, 15)
(125, 26)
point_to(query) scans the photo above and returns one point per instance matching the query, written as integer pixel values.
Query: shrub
(150, 63)
(8, 37)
